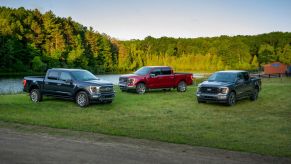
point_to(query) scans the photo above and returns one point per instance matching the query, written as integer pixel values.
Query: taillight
(24, 83)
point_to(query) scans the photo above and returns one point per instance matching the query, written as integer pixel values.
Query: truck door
(248, 83)
(240, 85)
(65, 84)
(167, 78)
(154, 80)
(51, 82)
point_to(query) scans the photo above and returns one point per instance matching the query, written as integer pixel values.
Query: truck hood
(215, 84)
(130, 75)
(98, 82)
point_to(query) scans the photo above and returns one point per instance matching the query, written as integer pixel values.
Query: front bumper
(126, 87)
(221, 98)
(102, 97)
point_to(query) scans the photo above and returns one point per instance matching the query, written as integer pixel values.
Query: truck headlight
(224, 90)
(130, 81)
(94, 89)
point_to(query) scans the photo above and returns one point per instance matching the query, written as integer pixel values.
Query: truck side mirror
(152, 75)
(239, 81)
(69, 81)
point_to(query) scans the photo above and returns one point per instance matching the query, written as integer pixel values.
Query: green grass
(263, 126)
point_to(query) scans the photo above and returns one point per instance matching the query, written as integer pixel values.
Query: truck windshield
(143, 71)
(223, 77)
(83, 75)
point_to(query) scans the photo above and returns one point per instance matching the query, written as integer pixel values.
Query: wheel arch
(257, 87)
(79, 90)
(33, 86)
(141, 82)
(232, 90)
(145, 84)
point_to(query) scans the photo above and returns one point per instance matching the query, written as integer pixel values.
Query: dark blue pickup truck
(76, 84)
(228, 87)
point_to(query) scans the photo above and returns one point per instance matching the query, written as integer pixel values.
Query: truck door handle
(59, 84)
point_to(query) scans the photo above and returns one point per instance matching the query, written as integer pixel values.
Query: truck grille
(212, 90)
(106, 89)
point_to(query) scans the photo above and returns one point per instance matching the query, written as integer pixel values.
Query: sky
(137, 19)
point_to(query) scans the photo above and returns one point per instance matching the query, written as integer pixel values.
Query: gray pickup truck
(228, 87)
(76, 84)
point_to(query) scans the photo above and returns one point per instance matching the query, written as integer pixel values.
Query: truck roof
(158, 66)
(233, 71)
(66, 69)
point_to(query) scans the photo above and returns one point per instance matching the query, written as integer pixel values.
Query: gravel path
(29, 144)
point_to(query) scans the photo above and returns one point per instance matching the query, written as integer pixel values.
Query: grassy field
(262, 127)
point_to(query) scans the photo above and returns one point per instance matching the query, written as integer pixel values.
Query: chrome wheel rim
(231, 99)
(81, 99)
(33, 96)
(182, 87)
(141, 89)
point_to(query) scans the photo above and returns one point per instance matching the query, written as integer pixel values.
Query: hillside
(31, 41)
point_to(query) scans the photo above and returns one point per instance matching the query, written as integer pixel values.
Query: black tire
(255, 94)
(35, 95)
(182, 86)
(82, 99)
(140, 88)
(231, 100)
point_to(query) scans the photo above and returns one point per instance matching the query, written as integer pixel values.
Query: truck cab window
(246, 76)
(240, 77)
(53, 75)
(65, 76)
(157, 72)
(166, 71)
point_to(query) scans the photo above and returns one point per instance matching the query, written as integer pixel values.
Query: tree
(266, 54)
(38, 65)
(285, 55)
(76, 53)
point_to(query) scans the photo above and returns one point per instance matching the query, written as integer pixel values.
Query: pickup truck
(228, 87)
(76, 84)
(155, 77)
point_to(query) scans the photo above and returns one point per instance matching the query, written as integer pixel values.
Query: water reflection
(14, 85)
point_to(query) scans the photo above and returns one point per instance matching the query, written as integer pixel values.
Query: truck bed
(38, 78)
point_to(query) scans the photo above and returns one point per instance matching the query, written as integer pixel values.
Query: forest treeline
(31, 41)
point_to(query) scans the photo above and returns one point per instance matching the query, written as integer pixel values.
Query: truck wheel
(140, 88)
(82, 99)
(35, 95)
(254, 95)
(182, 87)
(231, 99)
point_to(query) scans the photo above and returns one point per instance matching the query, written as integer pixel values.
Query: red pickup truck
(155, 77)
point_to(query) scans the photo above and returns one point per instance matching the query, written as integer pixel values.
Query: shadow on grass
(238, 102)
(72, 102)
(153, 91)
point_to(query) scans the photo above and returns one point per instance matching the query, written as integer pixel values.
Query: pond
(14, 85)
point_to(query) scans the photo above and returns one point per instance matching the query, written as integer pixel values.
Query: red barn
(275, 68)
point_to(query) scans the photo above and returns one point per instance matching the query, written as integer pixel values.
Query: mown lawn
(262, 127)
